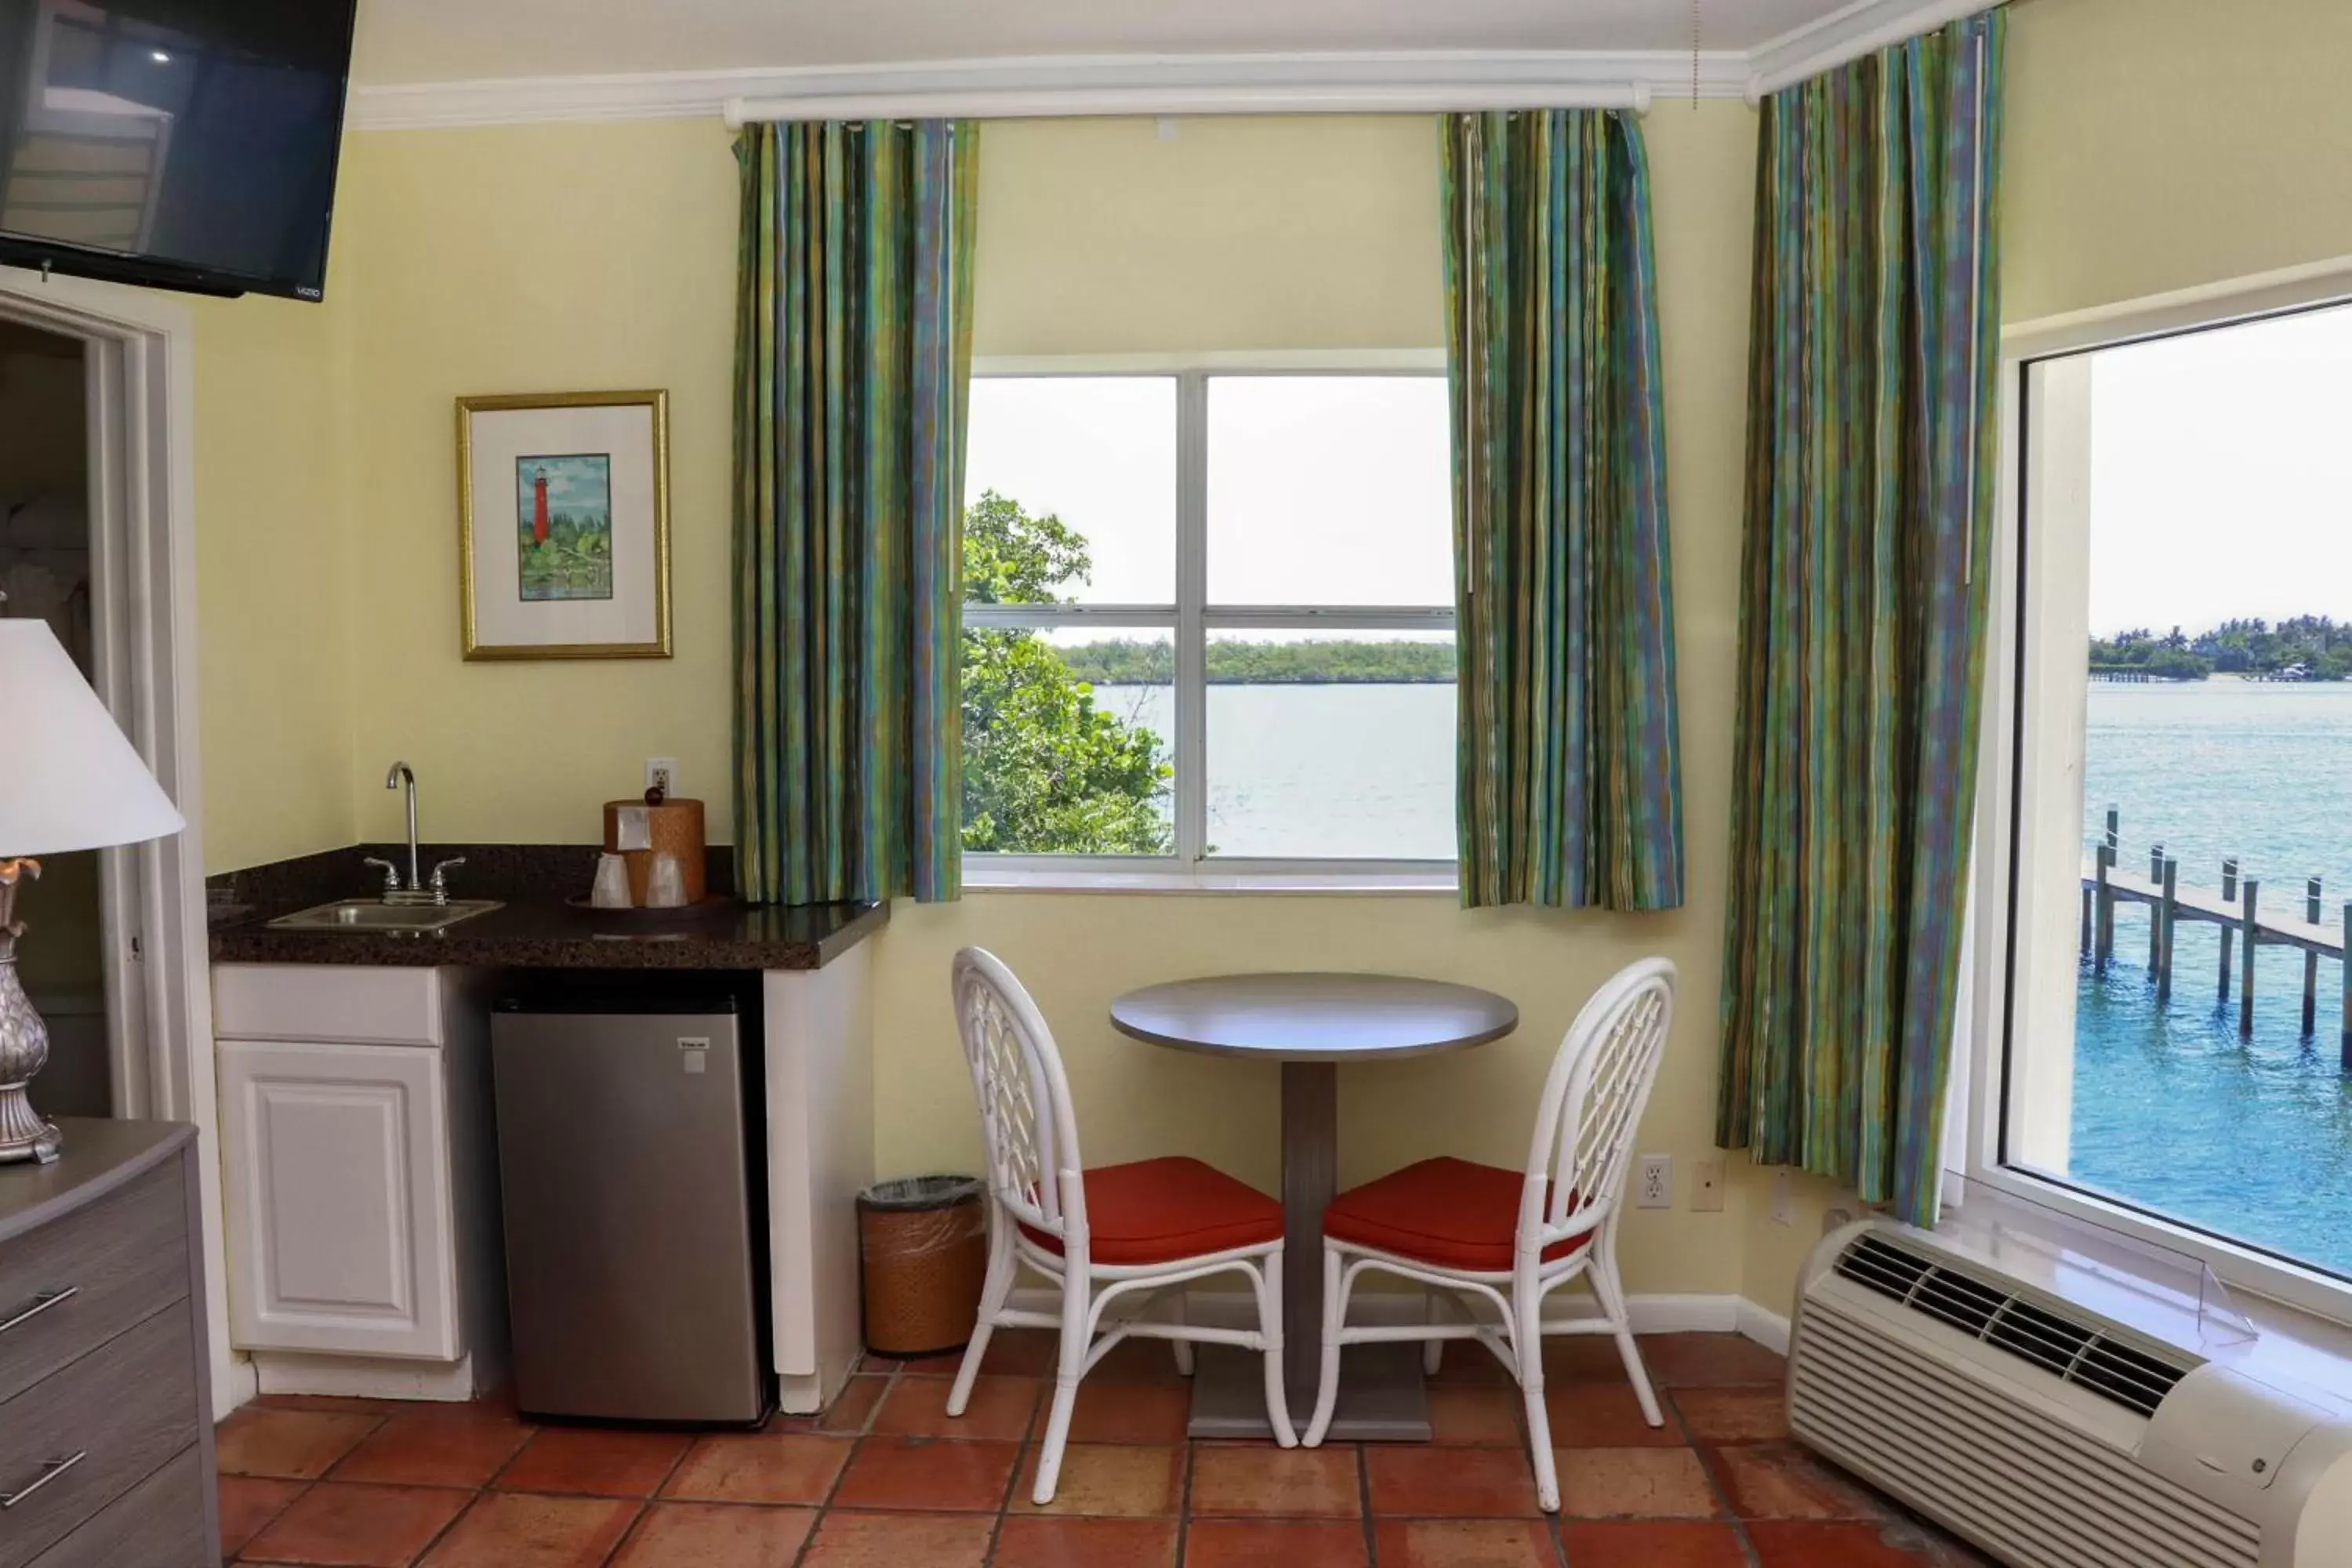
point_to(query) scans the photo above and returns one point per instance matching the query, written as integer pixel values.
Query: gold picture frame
(582, 569)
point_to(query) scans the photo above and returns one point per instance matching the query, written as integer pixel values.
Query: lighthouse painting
(563, 526)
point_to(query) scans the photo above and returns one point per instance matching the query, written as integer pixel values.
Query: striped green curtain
(1569, 779)
(853, 356)
(1870, 519)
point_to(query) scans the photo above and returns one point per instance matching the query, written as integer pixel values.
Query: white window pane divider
(1191, 636)
(1103, 617)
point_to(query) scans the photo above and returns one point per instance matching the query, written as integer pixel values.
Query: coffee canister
(637, 832)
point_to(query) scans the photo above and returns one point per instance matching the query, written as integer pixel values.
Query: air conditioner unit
(2048, 1435)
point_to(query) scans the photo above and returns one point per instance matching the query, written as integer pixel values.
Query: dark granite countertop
(536, 928)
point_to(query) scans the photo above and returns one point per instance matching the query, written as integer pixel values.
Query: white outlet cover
(663, 770)
(1653, 1184)
(1784, 1197)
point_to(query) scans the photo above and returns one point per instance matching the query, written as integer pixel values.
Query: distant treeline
(1128, 663)
(2309, 647)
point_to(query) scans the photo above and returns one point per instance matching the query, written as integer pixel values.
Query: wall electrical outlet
(1707, 1186)
(662, 771)
(1653, 1187)
(1784, 1197)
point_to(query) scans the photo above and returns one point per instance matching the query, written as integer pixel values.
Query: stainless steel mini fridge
(633, 1229)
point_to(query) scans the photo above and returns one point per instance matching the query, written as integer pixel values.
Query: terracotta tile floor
(885, 1481)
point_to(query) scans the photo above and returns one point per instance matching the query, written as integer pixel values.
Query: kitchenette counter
(537, 929)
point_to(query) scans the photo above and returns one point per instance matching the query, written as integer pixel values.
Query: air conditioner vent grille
(2036, 1491)
(2033, 1330)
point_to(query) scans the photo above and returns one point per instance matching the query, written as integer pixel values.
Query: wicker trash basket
(924, 1243)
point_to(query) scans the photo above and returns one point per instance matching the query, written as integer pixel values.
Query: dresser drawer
(161, 1522)
(70, 1285)
(124, 1410)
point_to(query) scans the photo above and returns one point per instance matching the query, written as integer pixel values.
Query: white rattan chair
(1133, 1231)
(1509, 1238)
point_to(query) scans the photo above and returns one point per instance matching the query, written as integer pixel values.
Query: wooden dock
(2235, 907)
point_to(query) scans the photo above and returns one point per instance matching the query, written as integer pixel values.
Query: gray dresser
(106, 1435)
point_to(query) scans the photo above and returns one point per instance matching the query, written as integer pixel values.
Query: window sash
(1193, 619)
(2033, 748)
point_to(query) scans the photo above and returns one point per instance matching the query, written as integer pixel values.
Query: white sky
(2222, 475)
(1322, 490)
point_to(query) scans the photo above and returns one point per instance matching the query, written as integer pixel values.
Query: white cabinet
(359, 1178)
(338, 1207)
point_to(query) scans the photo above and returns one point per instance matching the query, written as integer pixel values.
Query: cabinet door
(337, 1171)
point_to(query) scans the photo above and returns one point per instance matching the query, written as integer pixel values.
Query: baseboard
(235, 1383)
(367, 1377)
(1766, 1327)
(1659, 1314)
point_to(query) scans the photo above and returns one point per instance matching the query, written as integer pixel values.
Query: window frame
(2031, 764)
(1189, 621)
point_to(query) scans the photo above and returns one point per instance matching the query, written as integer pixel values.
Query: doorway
(46, 574)
(138, 427)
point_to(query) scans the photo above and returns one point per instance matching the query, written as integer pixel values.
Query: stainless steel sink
(373, 915)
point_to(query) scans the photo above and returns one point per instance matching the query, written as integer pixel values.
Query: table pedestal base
(1381, 1399)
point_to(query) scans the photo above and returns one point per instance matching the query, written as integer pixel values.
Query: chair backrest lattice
(1593, 1098)
(1026, 1118)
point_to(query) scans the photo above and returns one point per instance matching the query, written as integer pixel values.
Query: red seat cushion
(1157, 1211)
(1445, 1211)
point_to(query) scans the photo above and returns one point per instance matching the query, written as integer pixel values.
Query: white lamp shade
(69, 778)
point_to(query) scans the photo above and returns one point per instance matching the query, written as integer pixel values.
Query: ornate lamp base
(24, 1040)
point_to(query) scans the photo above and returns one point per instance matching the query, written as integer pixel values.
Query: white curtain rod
(1149, 103)
(1845, 50)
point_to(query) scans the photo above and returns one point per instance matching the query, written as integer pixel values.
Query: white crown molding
(1133, 84)
(1847, 34)
(1341, 82)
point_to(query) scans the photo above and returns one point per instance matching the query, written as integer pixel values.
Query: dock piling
(2344, 1046)
(2311, 962)
(2228, 895)
(2248, 932)
(2104, 894)
(2167, 918)
(2156, 932)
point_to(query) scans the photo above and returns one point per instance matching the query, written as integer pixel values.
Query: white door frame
(139, 353)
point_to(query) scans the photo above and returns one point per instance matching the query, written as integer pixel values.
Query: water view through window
(1321, 616)
(2217, 726)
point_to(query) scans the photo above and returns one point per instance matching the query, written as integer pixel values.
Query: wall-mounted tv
(181, 143)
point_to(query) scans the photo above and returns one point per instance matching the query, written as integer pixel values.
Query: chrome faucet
(420, 890)
(404, 777)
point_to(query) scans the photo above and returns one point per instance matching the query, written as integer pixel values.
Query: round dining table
(1312, 1023)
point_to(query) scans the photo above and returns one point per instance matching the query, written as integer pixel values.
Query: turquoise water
(2173, 1111)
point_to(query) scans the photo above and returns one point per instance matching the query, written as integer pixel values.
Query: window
(2173, 719)
(1209, 625)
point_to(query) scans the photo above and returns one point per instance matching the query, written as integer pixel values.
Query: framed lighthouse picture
(564, 525)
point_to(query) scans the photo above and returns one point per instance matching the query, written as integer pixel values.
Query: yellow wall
(2157, 144)
(1099, 237)
(275, 418)
(535, 259)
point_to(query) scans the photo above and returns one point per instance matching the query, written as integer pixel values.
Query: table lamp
(68, 780)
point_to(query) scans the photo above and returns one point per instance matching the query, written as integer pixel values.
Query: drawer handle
(49, 1472)
(41, 1303)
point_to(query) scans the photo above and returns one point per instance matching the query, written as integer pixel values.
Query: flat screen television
(181, 143)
